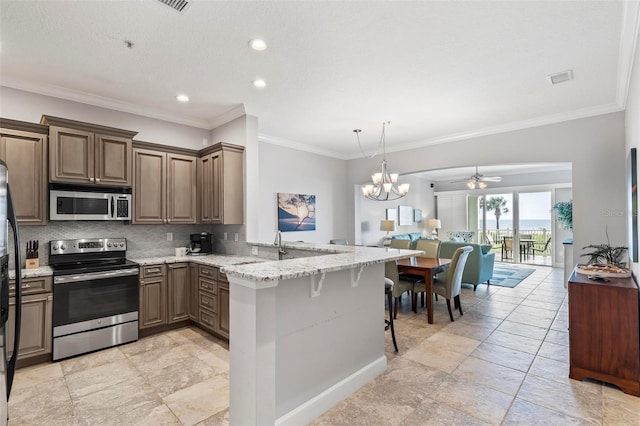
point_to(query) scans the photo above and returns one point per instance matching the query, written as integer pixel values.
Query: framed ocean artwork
(296, 212)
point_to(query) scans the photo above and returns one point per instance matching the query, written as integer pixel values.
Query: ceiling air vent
(560, 77)
(178, 5)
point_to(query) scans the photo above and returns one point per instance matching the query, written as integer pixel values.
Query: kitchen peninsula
(307, 331)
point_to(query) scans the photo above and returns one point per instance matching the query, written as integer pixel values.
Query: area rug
(509, 275)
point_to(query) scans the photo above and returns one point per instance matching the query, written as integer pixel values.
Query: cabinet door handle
(97, 179)
(153, 270)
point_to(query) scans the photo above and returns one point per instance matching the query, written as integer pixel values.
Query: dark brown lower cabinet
(184, 291)
(37, 314)
(153, 296)
(223, 308)
(193, 292)
(604, 331)
(208, 297)
(178, 286)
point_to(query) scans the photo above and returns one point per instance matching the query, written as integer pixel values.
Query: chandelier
(385, 185)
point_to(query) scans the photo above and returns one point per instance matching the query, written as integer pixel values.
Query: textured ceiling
(437, 70)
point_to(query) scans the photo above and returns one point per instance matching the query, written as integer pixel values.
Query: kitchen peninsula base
(302, 345)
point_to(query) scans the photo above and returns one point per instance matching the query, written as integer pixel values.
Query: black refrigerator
(8, 366)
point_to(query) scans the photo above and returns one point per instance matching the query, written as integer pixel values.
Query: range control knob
(109, 245)
(63, 247)
(55, 247)
(121, 244)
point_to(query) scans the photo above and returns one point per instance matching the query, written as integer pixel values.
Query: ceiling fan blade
(491, 178)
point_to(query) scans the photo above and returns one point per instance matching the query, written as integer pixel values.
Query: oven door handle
(95, 276)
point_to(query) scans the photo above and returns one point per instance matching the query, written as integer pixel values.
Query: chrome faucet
(278, 243)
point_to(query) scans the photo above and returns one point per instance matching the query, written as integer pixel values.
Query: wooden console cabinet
(604, 331)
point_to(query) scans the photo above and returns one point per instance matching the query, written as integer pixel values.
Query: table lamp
(387, 225)
(434, 224)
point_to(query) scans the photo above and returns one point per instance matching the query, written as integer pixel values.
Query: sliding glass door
(495, 217)
(534, 227)
(517, 225)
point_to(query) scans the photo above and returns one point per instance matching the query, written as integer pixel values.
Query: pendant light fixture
(385, 185)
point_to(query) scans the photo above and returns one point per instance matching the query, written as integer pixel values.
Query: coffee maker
(201, 244)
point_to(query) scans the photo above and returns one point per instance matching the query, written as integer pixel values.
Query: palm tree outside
(498, 205)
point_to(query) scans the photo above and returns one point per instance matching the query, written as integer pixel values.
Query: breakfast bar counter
(305, 332)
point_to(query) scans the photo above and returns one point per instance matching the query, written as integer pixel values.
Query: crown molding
(99, 101)
(628, 40)
(226, 117)
(504, 128)
(300, 146)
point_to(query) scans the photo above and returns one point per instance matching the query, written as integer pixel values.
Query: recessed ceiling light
(182, 98)
(259, 83)
(257, 44)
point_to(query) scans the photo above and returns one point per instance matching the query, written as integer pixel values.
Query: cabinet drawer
(208, 301)
(208, 320)
(210, 272)
(32, 285)
(209, 286)
(152, 271)
(222, 276)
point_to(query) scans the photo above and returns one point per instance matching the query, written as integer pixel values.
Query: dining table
(526, 246)
(426, 267)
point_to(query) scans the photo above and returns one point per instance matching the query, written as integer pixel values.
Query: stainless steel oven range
(95, 295)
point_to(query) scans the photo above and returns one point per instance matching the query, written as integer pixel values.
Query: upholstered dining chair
(449, 286)
(400, 244)
(400, 286)
(388, 323)
(431, 248)
(405, 245)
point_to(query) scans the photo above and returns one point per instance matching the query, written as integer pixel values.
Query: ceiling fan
(478, 180)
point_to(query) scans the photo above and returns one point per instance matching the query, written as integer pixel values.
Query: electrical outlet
(236, 236)
(169, 236)
(254, 250)
(225, 236)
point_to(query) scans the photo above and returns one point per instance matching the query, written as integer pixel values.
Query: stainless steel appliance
(8, 367)
(201, 244)
(95, 295)
(84, 203)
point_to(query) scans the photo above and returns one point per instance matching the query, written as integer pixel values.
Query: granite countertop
(219, 260)
(294, 245)
(43, 271)
(338, 257)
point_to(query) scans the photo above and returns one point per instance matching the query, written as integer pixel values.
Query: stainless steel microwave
(85, 205)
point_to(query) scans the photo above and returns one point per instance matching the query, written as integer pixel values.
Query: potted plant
(564, 210)
(605, 253)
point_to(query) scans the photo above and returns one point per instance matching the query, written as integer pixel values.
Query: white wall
(420, 196)
(632, 127)
(595, 146)
(26, 106)
(291, 171)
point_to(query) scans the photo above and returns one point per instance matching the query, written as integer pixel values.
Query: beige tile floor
(180, 377)
(504, 362)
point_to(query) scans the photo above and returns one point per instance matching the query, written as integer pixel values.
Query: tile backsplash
(142, 240)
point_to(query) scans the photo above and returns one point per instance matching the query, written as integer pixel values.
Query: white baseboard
(313, 408)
